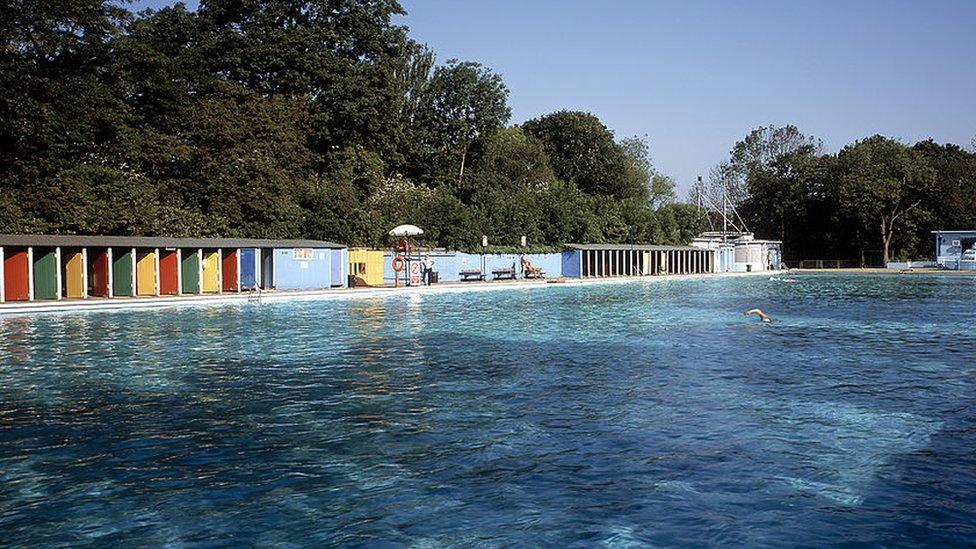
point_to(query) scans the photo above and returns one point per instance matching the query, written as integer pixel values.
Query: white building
(740, 252)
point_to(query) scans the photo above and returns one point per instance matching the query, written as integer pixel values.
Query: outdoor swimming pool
(645, 412)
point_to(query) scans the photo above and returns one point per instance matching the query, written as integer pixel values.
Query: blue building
(955, 250)
(576, 261)
(310, 268)
(449, 264)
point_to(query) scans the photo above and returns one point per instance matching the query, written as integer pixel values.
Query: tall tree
(953, 203)
(411, 77)
(776, 192)
(339, 55)
(883, 184)
(60, 105)
(583, 152)
(463, 101)
(754, 155)
(517, 158)
(659, 187)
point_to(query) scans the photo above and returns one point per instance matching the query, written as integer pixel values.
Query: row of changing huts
(41, 267)
(45, 267)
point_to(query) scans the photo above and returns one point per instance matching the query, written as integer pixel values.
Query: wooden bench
(535, 273)
(471, 274)
(504, 274)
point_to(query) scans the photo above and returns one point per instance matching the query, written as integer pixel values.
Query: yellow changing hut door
(74, 276)
(146, 273)
(211, 272)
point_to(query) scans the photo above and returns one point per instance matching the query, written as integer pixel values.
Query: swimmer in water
(758, 312)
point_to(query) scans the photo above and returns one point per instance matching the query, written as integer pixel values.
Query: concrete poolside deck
(132, 303)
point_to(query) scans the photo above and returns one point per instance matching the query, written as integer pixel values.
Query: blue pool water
(616, 414)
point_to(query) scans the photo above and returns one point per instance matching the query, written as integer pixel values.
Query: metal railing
(825, 263)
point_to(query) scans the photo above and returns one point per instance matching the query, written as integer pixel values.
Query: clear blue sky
(697, 76)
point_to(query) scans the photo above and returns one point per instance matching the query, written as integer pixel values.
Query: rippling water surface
(617, 414)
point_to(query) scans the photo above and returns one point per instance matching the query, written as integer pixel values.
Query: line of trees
(284, 118)
(875, 197)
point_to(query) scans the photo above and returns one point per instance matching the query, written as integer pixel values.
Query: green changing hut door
(121, 272)
(45, 274)
(190, 272)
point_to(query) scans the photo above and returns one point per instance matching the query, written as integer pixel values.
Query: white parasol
(406, 230)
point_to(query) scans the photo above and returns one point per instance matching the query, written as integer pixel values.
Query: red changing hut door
(16, 274)
(169, 268)
(228, 271)
(98, 277)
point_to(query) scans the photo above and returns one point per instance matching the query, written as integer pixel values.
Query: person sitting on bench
(529, 270)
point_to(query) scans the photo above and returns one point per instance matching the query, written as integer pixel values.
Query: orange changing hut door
(230, 281)
(169, 272)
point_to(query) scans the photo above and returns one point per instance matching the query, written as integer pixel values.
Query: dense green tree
(776, 191)
(753, 157)
(952, 202)
(514, 157)
(60, 106)
(583, 152)
(679, 223)
(411, 76)
(883, 185)
(462, 102)
(567, 215)
(660, 188)
(338, 55)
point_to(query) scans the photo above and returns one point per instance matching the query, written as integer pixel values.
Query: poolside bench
(471, 274)
(504, 273)
(534, 272)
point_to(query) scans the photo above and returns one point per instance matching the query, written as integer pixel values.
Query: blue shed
(302, 265)
(303, 268)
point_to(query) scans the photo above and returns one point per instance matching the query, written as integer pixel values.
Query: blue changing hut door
(337, 263)
(248, 271)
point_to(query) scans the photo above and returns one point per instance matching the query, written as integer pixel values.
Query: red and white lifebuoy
(398, 263)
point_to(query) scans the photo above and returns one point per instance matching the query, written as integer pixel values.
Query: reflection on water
(645, 413)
